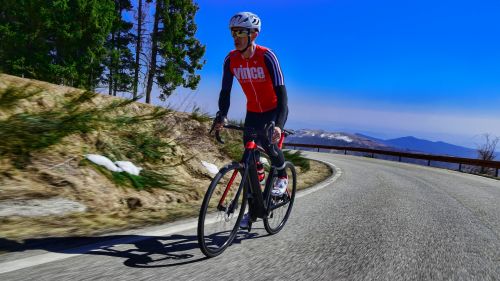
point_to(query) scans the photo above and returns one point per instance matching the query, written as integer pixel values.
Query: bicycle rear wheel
(221, 211)
(281, 206)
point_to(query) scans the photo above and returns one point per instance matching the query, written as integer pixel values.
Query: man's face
(240, 37)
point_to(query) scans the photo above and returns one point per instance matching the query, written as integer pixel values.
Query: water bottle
(260, 171)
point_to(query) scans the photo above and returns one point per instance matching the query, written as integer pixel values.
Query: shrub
(199, 115)
(145, 147)
(297, 159)
(145, 180)
(26, 132)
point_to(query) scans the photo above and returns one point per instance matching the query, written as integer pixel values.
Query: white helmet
(246, 20)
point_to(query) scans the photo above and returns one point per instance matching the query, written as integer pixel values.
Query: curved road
(379, 220)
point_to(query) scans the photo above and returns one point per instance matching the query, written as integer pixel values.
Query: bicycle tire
(212, 239)
(277, 218)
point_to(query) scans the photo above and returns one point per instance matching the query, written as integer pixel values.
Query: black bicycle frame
(259, 202)
(256, 203)
(258, 207)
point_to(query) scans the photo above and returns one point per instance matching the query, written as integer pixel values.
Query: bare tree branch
(486, 151)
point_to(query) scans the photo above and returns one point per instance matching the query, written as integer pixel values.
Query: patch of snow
(103, 161)
(323, 134)
(344, 138)
(211, 168)
(128, 167)
(336, 137)
(39, 207)
(118, 166)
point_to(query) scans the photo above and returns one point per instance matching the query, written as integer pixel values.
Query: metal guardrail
(449, 159)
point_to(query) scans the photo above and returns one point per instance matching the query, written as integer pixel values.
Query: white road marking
(321, 185)
(50, 257)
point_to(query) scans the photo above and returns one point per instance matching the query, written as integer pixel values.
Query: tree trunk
(111, 66)
(118, 68)
(137, 50)
(154, 52)
(115, 89)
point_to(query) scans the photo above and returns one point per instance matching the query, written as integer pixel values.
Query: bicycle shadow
(138, 251)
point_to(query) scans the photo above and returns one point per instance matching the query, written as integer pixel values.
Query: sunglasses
(240, 33)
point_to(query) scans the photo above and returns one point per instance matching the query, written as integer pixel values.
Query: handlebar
(268, 131)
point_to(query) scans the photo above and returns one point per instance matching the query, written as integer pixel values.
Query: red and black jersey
(260, 78)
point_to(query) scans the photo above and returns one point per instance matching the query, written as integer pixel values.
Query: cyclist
(258, 71)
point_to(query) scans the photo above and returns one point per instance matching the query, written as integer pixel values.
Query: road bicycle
(235, 187)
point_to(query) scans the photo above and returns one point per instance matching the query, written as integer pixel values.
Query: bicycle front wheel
(222, 210)
(281, 206)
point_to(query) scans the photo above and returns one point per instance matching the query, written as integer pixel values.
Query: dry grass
(317, 173)
(57, 170)
(97, 222)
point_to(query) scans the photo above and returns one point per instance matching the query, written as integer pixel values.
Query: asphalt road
(379, 220)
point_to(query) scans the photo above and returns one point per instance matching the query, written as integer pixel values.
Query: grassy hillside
(45, 131)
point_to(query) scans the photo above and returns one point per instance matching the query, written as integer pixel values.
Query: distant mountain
(431, 147)
(332, 138)
(415, 144)
(408, 144)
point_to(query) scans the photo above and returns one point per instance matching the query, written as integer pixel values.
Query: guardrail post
(345, 152)
(318, 149)
(428, 162)
(459, 167)
(497, 173)
(373, 155)
(399, 158)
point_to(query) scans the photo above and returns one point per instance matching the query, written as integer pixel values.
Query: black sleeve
(282, 106)
(227, 84)
(274, 70)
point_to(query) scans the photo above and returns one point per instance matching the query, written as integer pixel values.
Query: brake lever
(288, 132)
(217, 133)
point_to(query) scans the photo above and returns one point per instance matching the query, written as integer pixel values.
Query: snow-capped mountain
(322, 137)
(405, 144)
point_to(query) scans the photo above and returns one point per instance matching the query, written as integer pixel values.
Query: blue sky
(430, 69)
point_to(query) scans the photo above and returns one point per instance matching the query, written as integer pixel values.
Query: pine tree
(154, 51)
(59, 41)
(138, 47)
(120, 61)
(175, 53)
(23, 50)
(73, 42)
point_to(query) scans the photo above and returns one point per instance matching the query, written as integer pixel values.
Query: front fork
(229, 209)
